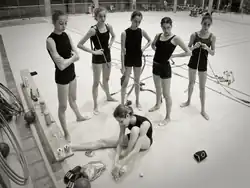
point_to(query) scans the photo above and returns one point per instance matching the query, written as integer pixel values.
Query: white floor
(169, 163)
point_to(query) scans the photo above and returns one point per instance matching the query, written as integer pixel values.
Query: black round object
(29, 117)
(4, 149)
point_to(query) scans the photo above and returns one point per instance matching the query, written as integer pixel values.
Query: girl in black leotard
(139, 138)
(99, 36)
(201, 44)
(131, 54)
(164, 45)
(64, 54)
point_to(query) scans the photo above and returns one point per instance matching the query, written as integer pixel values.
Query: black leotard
(64, 49)
(104, 40)
(200, 55)
(133, 57)
(164, 50)
(139, 121)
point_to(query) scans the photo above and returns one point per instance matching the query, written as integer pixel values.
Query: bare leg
(202, 82)
(157, 82)
(97, 68)
(62, 92)
(166, 83)
(99, 144)
(143, 143)
(134, 135)
(137, 74)
(72, 101)
(125, 84)
(106, 70)
(192, 78)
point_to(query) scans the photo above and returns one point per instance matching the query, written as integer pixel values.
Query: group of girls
(64, 55)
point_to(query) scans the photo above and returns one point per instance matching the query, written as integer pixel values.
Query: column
(132, 5)
(175, 6)
(96, 3)
(210, 6)
(203, 3)
(218, 5)
(73, 7)
(241, 5)
(47, 8)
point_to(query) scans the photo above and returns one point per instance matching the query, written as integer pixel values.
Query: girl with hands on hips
(101, 43)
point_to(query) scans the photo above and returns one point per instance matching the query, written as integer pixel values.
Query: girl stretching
(201, 44)
(131, 54)
(99, 35)
(164, 45)
(139, 138)
(64, 54)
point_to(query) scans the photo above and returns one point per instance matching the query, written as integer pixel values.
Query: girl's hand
(123, 70)
(204, 46)
(197, 45)
(116, 171)
(75, 56)
(98, 52)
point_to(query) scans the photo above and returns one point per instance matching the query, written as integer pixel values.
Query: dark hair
(207, 16)
(167, 20)
(98, 10)
(136, 13)
(121, 111)
(82, 183)
(56, 15)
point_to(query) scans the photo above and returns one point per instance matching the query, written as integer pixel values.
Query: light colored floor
(169, 163)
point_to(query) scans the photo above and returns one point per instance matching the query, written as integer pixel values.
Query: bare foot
(205, 115)
(164, 122)
(96, 112)
(83, 118)
(185, 104)
(120, 171)
(111, 99)
(156, 107)
(138, 106)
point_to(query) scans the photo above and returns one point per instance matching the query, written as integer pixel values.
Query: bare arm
(123, 51)
(119, 147)
(81, 43)
(145, 35)
(72, 45)
(143, 131)
(211, 50)
(112, 36)
(60, 62)
(191, 42)
(154, 41)
(178, 41)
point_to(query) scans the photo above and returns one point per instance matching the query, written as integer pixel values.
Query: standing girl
(62, 51)
(131, 54)
(201, 44)
(99, 35)
(164, 45)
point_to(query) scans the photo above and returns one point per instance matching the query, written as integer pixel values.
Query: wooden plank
(50, 135)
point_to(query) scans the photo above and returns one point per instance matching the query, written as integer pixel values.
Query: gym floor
(169, 163)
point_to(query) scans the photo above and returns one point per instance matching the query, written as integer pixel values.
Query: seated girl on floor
(139, 138)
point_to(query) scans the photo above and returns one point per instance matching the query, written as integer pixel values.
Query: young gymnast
(164, 45)
(99, 35)
(131, 54)
(63, 53)
(201, 44)
(139, 138)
